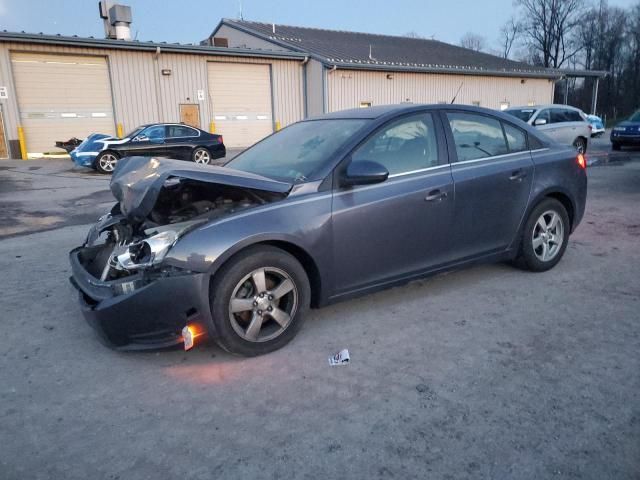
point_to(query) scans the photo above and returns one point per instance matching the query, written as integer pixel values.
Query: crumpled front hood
(137, 181)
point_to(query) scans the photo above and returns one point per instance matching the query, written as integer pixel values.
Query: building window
(504, 105)
(365, 104)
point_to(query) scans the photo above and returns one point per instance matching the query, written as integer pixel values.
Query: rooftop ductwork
(117, 20)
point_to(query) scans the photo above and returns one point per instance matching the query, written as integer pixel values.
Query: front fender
(304, 223)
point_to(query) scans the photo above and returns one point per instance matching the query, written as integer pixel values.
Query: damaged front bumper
(147, 310)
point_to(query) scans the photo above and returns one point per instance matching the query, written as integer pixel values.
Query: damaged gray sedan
(323, 210)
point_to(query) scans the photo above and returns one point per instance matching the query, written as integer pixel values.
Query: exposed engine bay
(122, 247)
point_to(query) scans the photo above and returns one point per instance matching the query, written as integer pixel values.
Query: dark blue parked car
(326, 209)
(626, 133)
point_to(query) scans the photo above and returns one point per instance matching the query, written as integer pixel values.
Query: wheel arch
(307, 261)
(558, 194)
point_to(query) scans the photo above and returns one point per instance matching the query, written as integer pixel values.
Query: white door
(61, 96)
(240, 95)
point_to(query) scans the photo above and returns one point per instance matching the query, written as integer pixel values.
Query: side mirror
(140, 138)
(364, 172)
(540, 121)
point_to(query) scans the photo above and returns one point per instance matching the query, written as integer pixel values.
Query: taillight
(582, 161)
(220, 139)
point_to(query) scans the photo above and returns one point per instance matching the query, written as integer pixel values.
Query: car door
(492, 174)
(542, 122)
(180, 141)
(402, 225)
(149, 142)
(563, 126)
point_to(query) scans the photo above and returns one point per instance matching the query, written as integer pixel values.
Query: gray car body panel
(407, 237)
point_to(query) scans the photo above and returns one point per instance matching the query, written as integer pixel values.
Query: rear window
(523, 114)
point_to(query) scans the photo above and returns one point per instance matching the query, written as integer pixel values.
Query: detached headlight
(147, 252)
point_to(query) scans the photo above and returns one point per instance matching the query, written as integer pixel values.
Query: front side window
(156, 132)
(476, 136)
(179, 131)
(402, 146)
(516, 138)
(544, 115)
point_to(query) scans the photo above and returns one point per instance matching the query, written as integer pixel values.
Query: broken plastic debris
(340, 358)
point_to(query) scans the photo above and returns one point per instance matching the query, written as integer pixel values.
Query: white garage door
(61, 96)
(240, 96)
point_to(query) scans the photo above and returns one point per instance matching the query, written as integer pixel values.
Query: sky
(190, 21)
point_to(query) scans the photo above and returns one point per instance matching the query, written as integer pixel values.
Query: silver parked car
(562, 123)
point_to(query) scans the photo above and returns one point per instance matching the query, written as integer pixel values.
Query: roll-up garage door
(240, 96)
(61, 96)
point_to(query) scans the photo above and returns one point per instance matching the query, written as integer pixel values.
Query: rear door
(402, 225)
(492, 173)
(564, 127)
(180, 141)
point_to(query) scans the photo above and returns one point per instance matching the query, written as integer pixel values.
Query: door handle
(518, 175)
(435, 195)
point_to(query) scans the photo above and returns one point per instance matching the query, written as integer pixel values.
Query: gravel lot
(488, 372)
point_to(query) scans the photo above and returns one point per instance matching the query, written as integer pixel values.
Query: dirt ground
(489, 372)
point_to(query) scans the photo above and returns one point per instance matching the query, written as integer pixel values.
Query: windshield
(635, 117)
(298, 151)
(523, 114)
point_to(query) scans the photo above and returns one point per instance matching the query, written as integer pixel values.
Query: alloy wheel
(108, 162)
(548, 236)
(262, 304)
(202, 156)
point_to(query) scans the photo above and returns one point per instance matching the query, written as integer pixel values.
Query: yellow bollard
(278, 127)
(212, 127)
(23, 143)
(120, 130)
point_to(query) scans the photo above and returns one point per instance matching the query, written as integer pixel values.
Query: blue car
(626, 133)
(173, 140)
(597, 125)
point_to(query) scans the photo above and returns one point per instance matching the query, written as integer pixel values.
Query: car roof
(393, 110)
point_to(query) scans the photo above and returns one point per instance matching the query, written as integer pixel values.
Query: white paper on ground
(340, 358)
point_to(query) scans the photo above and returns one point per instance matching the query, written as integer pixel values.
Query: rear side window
(560, 115)
(177, 131)
(516, 138)
(476, 136)
(574, 116)
(402, 146)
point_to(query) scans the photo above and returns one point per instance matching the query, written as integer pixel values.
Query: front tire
(201, 155)
(545, 236)
(258, 301)
(106, 162)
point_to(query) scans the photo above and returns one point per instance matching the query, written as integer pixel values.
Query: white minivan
(563, 123)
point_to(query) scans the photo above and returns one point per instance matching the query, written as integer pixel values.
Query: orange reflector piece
(582, 161)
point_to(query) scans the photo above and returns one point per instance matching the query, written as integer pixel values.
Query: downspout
(305, 106)
(325, 89)
(157, 82)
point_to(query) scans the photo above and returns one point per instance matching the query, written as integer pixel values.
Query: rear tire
(580, 144)
(545, 236)
(106, 162)
(259, 300)
(201, 155)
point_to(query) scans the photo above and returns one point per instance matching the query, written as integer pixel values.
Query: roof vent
(116, 18)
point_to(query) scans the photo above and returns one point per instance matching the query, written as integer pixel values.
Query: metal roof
(368, 51)
(75, 41)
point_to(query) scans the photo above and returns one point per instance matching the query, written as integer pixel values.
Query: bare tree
(508, 34)
(413, 34)
(548, 27)
(473, 41)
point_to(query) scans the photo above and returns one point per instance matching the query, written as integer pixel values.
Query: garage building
(59, 87)
(351, 69)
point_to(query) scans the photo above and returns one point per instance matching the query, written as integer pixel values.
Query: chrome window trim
(411, 172)
(484, 159)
